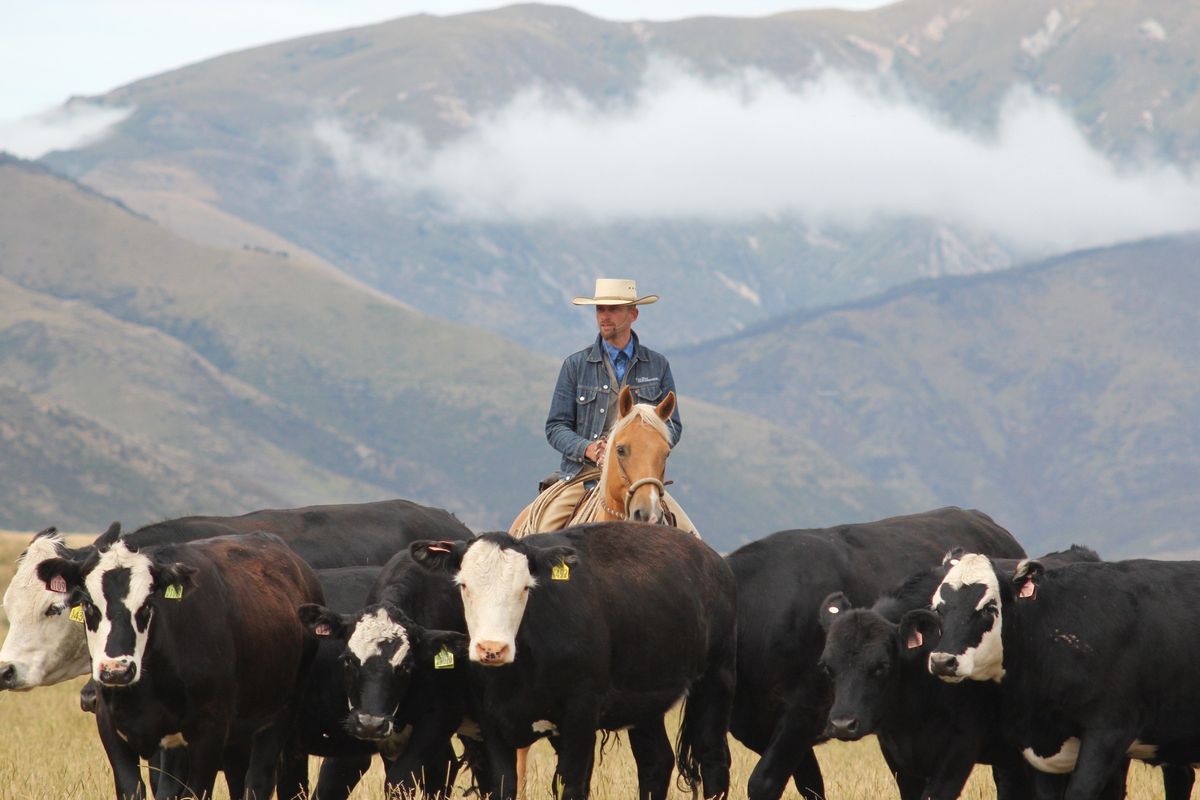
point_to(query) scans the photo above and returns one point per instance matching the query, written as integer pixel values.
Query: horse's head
(636, 459)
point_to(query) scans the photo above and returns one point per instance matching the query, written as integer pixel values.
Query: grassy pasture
(49, 749)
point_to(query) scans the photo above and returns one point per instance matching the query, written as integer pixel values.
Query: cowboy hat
(616, 292)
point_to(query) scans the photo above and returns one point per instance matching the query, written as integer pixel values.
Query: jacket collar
(597, 353)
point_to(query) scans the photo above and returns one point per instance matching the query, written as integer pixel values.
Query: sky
(60, 48)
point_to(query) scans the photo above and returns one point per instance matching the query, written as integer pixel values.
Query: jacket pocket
(649, 392)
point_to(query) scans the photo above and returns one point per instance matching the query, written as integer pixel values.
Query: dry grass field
(49, 750)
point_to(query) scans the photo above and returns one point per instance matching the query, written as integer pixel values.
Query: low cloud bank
(66, 127)
(834, 151)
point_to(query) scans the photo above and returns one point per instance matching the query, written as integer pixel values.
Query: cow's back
(782, 579)
(327, 536)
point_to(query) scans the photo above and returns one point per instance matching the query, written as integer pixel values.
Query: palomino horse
(631, 484)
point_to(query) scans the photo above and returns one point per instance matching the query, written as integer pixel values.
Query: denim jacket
(575, 418)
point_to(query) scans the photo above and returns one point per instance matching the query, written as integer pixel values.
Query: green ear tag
(560, 572)
(444, 659)
(76, 614)
(174, 591)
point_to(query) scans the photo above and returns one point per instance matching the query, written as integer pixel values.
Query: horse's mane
(647, 414)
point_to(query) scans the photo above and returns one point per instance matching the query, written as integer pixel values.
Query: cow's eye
(879, 670)
(54, 610)
(825, 669)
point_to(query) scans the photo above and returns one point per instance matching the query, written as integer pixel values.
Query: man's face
(615, 322)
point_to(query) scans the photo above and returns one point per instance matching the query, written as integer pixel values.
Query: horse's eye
(622, 451)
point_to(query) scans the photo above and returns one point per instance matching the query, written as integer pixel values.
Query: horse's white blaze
(1058, 764)
(374, 630)
(42, 650)
(985, 661)
(496, 583)
(141, 583)
(1142, 751)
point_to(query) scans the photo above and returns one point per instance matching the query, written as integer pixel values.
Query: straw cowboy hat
(616, 292)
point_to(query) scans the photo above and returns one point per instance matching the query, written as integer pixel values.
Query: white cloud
(75, 124)
(835, 150)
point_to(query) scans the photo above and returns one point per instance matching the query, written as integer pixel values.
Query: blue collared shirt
(614, 356)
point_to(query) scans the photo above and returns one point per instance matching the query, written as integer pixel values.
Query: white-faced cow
(932, 734)
(599, 627)
(194, 645)
(1095, 662)
(782, 700)
(404, 681)
(44, 647)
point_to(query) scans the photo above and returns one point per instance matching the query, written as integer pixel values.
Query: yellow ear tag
(560, 572)
(444, 659)
(76, 614)
(174, 592)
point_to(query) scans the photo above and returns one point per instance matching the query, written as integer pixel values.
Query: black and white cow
(782, 701)
(599, 627)
(1095, 662)
(404, 681)
(932, 734)
(43, 646)
(193, 645)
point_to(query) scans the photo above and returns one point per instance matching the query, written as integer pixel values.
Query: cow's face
(968, 602)
(495, 574)
(383, 650)
(864, 656)
(118, 588)
(44, 645)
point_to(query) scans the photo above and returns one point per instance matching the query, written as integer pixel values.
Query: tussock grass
(49, 750)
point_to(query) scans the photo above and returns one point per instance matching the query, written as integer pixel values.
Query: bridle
(629, 492)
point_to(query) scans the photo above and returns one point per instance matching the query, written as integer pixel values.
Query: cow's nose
(117, 673)
(8, 676)
(492, 653)
(369, 726)
(943, 665)
(844, 728)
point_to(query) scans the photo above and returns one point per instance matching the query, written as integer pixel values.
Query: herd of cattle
(246, 644)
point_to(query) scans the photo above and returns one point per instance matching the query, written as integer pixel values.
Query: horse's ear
(666, 406)
(625, 402)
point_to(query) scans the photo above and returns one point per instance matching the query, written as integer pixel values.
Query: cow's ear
(322, 622)
(433, 643)
(441, 556)
(952, 557)
(624, 402)
(108, 538)
(918, 633)
(174, 578)
(61, 575)
(554, 561)
(45, 532)
(833, 607)
(1027, 577)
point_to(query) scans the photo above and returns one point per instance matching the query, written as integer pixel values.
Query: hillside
(156, 376)
(1062, 398)
(238, 134)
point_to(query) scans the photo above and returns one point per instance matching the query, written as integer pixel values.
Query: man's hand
(595, 452)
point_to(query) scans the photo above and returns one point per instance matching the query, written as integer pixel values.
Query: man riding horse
(597, 386)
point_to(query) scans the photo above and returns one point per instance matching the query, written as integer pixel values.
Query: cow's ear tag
(915, 640)
(76, 614)
(174, 592)
(58, 584)
(834, 610)
(443, 659)
(1028, 589)
(560, 572)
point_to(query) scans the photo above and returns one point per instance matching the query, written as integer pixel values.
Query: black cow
(783, 697)
(405, 680)
(599, 627)
(1095, 662)
(194, 644)
(352, 534)
(931, 734)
